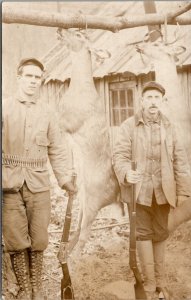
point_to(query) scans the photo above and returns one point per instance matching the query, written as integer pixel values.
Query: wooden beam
(114, 24)
(150, 7)
(179, 11)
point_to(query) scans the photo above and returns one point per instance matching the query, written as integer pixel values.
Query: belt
(16, 160)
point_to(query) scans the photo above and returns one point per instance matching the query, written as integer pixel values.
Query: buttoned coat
(131, 145)
(31, 135)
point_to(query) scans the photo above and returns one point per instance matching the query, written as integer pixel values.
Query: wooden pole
(114, 24)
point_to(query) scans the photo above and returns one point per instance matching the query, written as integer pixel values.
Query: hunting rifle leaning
(66, 283)
(139, 289)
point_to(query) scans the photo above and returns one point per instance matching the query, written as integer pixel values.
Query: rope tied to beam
(165, 30)
(79, 18)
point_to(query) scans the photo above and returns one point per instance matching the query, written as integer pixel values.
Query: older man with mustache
(162, 177)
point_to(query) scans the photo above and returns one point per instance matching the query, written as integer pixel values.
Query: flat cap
(153, 85)
(30, 61)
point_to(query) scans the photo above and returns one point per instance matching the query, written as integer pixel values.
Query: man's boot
(146, 258)
(159, 259)
(36, 263)
(20, 265)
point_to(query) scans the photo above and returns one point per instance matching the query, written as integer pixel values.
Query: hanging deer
(84, 119)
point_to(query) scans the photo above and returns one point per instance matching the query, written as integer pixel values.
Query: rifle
(66, 284)
(139, 289)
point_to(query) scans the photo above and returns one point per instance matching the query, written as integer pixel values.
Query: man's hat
(30, 61)
(153, 85)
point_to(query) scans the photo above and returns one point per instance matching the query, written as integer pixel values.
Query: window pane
(130, 98)
(122, 99)
(115, 99)
(124, 114)
(130, 112)
(116, 117)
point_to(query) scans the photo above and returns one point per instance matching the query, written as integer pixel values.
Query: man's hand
(133, 176)
(70, 187)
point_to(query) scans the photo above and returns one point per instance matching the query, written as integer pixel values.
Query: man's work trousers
(152, 222)
(26, 217)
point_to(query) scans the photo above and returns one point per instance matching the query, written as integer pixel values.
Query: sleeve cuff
(64, 180)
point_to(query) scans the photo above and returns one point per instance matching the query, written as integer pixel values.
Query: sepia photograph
(96, 150)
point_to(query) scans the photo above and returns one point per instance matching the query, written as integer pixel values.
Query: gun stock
(139, 289)
(66, 284)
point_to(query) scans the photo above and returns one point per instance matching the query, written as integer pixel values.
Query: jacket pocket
(37, 179)
(42, 140)
(42, 143)
(12, 180)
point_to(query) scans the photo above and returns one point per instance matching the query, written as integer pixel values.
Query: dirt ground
(104, 260)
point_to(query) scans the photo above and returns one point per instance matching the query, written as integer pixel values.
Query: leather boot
(146, 258)
(36, 263)
(151, 296)
(164, 294)
(20, 265)
(159, 259)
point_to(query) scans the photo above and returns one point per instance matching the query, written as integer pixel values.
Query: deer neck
(166, 74)
(81, 75)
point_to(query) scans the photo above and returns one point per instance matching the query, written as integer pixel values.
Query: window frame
(118, 87)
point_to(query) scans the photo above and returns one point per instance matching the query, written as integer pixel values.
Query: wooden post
(149, 7)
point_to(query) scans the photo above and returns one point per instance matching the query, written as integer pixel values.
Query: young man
(30, 136)
(162, 178)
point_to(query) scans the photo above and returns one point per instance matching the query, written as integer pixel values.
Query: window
(121, 101)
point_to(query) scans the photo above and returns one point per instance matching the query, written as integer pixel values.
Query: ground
(102, 271)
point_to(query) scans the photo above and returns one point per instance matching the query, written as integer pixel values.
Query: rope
(165, 29)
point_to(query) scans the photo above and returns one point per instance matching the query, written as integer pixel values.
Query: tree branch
(114, 24)
(179, 11)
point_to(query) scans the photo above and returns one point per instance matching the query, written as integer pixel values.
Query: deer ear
(179, 50)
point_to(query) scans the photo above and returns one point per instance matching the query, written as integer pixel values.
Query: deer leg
(179, 215)
(74, 240)
(89, 214)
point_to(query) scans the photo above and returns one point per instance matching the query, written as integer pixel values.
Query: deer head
(156, 50)
(76, 39)
(73, 39)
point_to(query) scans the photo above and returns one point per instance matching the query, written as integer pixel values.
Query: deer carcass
(163, 57)
(83, 117)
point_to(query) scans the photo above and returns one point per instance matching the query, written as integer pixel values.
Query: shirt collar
(23, 99)
(139, 119)
(156, 121)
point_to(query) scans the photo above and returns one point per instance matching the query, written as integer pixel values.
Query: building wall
(21, 41)
(185, 79)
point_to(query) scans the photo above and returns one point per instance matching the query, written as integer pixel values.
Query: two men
(162, 178)
(30, 136)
